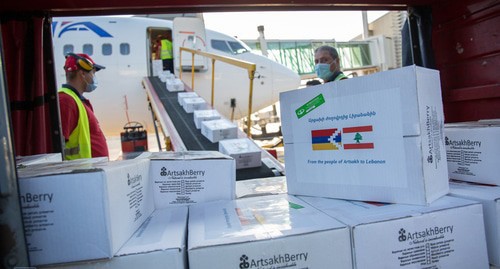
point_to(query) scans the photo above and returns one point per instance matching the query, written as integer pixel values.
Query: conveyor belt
(183, 121)
(192, 137)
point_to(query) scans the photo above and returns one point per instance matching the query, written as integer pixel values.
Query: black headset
(82, 62)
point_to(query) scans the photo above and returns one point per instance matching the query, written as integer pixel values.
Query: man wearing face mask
(327, 64)
(82, 133)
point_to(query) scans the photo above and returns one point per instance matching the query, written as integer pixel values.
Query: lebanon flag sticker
(347, 138)
(354, 137)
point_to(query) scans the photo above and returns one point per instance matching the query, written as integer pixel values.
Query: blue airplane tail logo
(80, 26)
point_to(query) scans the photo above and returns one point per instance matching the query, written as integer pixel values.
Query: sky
(338, 25)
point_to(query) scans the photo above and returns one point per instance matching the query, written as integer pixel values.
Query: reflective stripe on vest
(166, 49)
(78, 145)
(340, 77)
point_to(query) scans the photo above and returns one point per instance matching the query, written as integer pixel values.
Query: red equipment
(134, 138)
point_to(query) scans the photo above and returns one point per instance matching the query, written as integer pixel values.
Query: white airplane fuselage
(123, 46)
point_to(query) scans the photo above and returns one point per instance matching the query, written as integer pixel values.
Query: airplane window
(124, 48)
(88, 49)
(107, 49)
(220, 45)
(67, 49)
(237, 48)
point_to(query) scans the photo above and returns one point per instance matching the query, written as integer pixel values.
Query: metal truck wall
(466, 41)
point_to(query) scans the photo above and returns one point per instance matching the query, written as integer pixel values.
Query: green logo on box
(295, 206)
(310, 106)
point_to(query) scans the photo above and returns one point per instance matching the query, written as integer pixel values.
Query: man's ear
(82, 73)
(337, 63)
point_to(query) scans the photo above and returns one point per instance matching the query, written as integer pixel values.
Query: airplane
(124, 45)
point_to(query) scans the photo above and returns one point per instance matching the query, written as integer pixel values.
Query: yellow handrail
(250, 67)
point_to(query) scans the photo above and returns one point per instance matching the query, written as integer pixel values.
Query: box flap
(477, 191)
(404, 80)
(164, 229)
(251, 219)
(206, 113)
(239, 145)
(187, 155)
(356, 212)
(193, 100)
(38, 158)
(261, 186)
(219, 124)
(65, 167)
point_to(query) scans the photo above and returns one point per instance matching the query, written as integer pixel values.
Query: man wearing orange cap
(82, 133)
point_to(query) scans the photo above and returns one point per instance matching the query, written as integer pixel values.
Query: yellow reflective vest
(78, 146)
(340, 77)
(166, 49)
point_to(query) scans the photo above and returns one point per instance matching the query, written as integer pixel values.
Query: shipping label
(190, 182)
(351, 138)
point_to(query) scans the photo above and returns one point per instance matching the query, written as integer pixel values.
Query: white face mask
(323, 71)
(91, 86)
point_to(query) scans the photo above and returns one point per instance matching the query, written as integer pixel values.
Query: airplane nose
(284, 79)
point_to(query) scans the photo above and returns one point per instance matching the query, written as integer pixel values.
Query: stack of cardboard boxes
(158, 243)
(217, 129)
(203, 115)
(174, 84)
(92, 213)
(157, 67)
(244, 151)
(370, 152)
(472, 150)
(373, 138)
(366, 186)
(164, 76)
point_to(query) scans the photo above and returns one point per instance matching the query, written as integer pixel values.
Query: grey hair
(331, 50)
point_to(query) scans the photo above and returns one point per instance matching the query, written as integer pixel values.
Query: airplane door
(189, 33)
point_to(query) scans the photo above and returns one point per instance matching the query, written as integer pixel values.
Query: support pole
(213, 83)
(251, 75)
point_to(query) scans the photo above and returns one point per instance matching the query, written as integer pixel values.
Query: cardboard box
(23, 161)
(76, 211)
(377, 137)
(449, 233)
(157, 67)
(489, 121)
(217, 130)
(192, 104)
(277, 231)
(159, 243)
(165, 75)
(204, 115)
(472, 151)
(174, 84)
(39, 158)
(260, 187)
(184, 178)
(182, 95)
(489, 196)
(244, 151)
